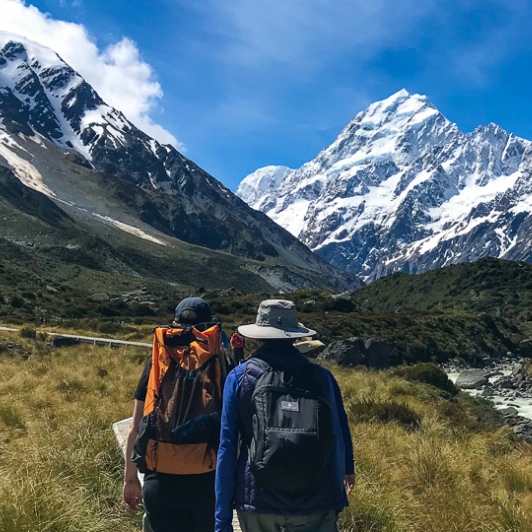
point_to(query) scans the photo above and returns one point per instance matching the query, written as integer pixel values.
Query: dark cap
(199, 307)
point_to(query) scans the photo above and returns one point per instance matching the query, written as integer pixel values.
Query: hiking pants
(179, 503)
(238, 355)
(320, 522)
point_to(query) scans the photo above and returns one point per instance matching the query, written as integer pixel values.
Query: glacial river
(523, 405)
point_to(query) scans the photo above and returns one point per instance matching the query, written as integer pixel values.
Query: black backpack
(292, 429)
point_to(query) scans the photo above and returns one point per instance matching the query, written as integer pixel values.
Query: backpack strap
(263, 365)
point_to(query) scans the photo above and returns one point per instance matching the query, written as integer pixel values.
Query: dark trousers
(319, 522)
(238, 355)
(179, 503)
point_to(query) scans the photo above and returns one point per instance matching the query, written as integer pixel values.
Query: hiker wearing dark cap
(178, 490)
(285, 459)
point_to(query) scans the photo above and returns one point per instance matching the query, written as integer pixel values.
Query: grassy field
(426, 461)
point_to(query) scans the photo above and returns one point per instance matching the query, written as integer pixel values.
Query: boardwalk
(95, 340)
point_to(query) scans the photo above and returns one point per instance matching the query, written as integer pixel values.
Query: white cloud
(117, 73)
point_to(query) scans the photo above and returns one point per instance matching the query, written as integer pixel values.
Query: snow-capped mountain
(402, 188)
(261, 182)
(50, 116)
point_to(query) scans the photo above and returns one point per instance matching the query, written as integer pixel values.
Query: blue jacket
(235, 484)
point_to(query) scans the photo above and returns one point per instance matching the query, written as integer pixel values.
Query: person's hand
(132, 494)
(349, 483)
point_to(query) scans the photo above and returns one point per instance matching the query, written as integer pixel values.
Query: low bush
(109, 327)
(28, 332)
(371, 411)
(428, 374)
(11, 417)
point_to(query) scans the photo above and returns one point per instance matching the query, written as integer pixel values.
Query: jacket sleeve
(227, 456)
(344, 425)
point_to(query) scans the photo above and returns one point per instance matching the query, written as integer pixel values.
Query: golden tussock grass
(426, 462)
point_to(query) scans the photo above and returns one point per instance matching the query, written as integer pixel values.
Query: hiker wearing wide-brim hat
(276, 320)
(285, 458)
(308, 344)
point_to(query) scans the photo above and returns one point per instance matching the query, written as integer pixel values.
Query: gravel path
(236, 524)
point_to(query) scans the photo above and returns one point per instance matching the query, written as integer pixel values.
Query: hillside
(493, 286)
(100, 176)
(437, 318)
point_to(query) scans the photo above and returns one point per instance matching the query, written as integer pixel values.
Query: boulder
(378, 353)
(471, 379)
(350, 352)
(504, 382)
(517, 369)
(525, 348)
(487, 392)
(509, 411)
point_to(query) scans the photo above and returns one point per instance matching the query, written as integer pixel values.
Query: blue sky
(246, 83)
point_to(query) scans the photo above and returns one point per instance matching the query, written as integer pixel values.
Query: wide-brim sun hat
(307, 344)
(276, 320)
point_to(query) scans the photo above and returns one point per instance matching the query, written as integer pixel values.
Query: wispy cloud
(77, 4)
(268, 48)
(118, 73)
(304, 35)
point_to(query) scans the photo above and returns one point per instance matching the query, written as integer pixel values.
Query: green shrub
(17, 302)
(368, 411)
(11, 417)
(109, 327)
(28, 295)
(428, 374)
(28, 332)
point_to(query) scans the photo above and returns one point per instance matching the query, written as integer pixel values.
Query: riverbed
(523, 405)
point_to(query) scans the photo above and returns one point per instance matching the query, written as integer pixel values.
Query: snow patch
(23, 170)
(130, 229)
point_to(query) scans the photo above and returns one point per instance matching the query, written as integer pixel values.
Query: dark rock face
(374, 353)
(525, 348)
(350, 352)
(378, 353)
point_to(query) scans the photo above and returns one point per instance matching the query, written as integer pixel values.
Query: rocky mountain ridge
(50, 118)
(403, 189)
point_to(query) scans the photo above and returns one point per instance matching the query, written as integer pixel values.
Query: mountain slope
(60, 138)
(402, 189)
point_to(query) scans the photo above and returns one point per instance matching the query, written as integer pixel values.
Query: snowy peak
(53, 100)
(260, 182)
(402, 108)
(401, 188)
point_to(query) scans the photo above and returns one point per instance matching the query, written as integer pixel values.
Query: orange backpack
(179, 433)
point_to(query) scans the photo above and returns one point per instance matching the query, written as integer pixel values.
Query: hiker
(308, 345)
(285, 459)
(237, 346)
(174, 433)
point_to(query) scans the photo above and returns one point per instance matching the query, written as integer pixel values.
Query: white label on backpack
(290, 406)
